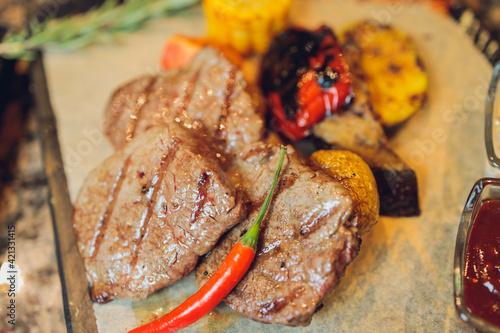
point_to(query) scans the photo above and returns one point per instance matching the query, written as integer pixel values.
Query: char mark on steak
(220, 133)
(104, 220)
(146, 218)
(141, 100)
(305, 244)
(210, 92)
(143, 217)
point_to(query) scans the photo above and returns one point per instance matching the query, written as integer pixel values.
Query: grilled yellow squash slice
(392, 70)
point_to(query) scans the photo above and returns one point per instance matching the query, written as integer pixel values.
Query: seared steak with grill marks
(305, 242)
(149, 211)
(146, 215)
(209, 93)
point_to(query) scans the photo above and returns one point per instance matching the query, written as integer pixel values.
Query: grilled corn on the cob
(246, 25)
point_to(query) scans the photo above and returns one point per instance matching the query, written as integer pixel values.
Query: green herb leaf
(98, 24)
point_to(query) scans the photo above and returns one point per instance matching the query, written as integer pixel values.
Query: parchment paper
(402, 279)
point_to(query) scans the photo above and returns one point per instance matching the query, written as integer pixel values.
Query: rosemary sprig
(96, 25)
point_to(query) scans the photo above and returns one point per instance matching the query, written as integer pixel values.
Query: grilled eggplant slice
(357, 129)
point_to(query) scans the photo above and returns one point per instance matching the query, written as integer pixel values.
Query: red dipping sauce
(482, 264)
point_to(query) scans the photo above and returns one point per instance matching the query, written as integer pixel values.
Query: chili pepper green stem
(250, 238)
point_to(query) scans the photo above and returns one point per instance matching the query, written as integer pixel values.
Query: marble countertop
(24, 192)
(24, 208)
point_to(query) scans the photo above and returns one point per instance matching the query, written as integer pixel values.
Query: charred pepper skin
(304, 77)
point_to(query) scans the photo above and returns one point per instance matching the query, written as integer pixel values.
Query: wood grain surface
(77, 304)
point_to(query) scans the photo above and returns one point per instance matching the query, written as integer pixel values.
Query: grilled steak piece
(305, 242)
(149, 211)
(209, 92)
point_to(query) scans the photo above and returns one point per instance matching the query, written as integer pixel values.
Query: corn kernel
(246, 25)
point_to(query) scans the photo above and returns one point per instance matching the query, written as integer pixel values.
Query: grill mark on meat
(311, 226)
(221, 126)
(268, 309)
(186, 99)
(164, 100)
(284, 183)
(203, 183)
(151, 199)
(141, 100)
(101, 231)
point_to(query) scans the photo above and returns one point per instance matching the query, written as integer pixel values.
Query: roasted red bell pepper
(305, 77)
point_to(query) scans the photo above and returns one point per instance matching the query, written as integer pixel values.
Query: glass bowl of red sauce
(492, 124)
(477, 259)
(476, 271)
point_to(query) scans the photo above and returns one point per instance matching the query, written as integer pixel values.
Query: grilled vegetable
(220, 284)
(304, 78)
(247, 26)
(357, 130)
(179, 50)
(392, 69)
(352, 172)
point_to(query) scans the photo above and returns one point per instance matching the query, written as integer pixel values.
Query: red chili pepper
(220, 284)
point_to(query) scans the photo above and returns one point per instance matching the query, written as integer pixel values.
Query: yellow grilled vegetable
(352, 172)
(395, 76)
(246, 25)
